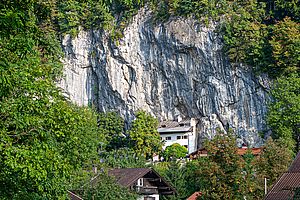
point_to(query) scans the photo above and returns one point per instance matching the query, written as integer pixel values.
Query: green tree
(122, 158)
(223, 171)
(251, 186)
(279, 9)
(44, 138)
(284, 111)
(105, 188)
(143, 135)
(176, 174)
(174, 151)
(296, 194)
(112, 126)
(182, 176)
(285, 44)
(273, 161)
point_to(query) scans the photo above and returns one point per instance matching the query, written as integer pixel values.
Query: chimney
(194, 123)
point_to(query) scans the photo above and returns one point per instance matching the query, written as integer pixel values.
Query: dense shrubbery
(224, 174)
(44, 138)
(174, 151)
(46, 141)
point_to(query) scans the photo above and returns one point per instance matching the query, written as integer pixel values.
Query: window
(185, 146)
(140, 182)
(178, 137)
(168, 138)
(185, 137)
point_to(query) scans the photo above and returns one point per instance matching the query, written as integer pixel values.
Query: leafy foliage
(252, 185)
(183, 176)
(122, 158)
(44, 138)
(284, 110)
(273, 161)
(143, 135)
(176, 174)
(112, 126)
(105, 188)
(285, 44)
(174, 151)
(223, 172)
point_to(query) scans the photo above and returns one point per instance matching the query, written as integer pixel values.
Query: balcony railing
(146, 190)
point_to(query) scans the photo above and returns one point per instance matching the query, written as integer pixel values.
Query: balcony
(146, 189)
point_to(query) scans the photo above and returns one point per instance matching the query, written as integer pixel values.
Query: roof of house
(128, 176)
(195, 196)
(295, 166)
(284, 188)
(175, 130)
(174, 126)
(255, 151)
(74, 196)
(198, 152)
(240, 151)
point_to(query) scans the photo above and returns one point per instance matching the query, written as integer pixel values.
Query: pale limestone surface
(169, 69)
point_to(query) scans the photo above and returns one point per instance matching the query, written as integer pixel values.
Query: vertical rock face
(169, 69)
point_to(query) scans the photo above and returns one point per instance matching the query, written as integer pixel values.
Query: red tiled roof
(255, 151)
(284, 188)
(295, 166)
(195, 196)
(241, 151)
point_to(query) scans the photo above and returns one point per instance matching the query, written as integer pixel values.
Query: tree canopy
(105, 188)
(112, 126)
(143, 135)
(174, 151)
(46, 140)
(284, 110)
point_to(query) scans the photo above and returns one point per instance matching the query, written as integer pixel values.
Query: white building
(182, 132)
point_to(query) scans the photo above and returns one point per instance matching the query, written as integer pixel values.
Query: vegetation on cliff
(46, 140)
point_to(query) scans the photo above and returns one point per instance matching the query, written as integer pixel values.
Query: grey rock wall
(168, 69)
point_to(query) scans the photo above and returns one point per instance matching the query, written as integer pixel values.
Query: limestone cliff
(168, 69)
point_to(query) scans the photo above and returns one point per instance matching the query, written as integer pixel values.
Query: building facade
(146, 182)
(183, 132)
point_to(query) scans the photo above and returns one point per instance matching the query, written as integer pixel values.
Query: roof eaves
(138, 175)
(163, 179)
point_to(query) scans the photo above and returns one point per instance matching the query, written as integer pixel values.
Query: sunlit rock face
(168, 69)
